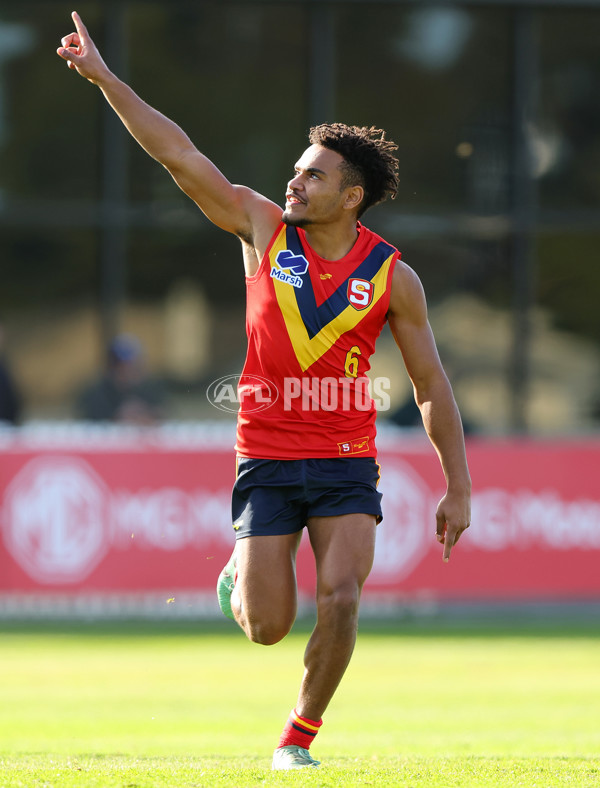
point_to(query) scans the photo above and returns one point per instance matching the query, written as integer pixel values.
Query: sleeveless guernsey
(312, 325)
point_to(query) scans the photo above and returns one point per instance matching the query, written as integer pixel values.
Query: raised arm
(410, 327)
(237, 209)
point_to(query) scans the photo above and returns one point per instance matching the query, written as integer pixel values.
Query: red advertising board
(138, 513)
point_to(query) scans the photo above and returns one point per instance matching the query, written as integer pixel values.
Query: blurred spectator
(10, 398)
(124, 393)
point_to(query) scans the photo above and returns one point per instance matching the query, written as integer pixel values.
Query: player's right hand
(81, 53)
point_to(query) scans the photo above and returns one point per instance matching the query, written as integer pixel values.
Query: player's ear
(354, 197)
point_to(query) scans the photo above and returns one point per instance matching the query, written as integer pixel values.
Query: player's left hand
(453, 517)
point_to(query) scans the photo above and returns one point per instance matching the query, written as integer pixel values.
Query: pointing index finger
(451, 537)
(79, 26)
(447, 549)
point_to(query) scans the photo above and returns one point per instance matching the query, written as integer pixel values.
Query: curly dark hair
(368, 159)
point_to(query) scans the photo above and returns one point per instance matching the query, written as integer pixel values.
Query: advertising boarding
(138, 516)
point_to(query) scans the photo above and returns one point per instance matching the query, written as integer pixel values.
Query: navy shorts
(278, 496)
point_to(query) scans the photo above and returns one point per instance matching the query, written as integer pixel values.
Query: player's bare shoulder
(405, 280)
(407, 295)
(264, 217)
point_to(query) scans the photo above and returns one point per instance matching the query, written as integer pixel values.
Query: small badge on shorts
(357, 446)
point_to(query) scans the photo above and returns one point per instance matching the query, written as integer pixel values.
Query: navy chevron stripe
(292, 240)
(314, 317)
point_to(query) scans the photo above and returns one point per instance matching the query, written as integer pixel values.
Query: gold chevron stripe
(309, 350)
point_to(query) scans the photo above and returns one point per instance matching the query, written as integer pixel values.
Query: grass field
(129, 706)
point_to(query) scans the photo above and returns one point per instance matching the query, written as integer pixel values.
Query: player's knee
(267, 627)
(267, 633)
(339, 602)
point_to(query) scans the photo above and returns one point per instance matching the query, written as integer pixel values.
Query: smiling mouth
(291, 199)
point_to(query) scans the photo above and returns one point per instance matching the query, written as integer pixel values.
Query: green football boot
(225, 586)
(293, 757)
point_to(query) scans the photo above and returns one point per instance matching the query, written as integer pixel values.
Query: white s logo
(360, 293)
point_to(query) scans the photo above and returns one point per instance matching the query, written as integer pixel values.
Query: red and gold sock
(299, 731)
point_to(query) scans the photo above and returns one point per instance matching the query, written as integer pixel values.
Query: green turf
(127, 706)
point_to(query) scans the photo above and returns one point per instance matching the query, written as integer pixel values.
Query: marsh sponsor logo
(289, 268)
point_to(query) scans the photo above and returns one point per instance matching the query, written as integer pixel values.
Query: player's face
(314, 194)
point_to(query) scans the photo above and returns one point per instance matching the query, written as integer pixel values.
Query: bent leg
(344, 548)
(264, 601)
